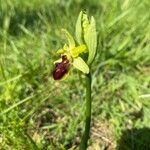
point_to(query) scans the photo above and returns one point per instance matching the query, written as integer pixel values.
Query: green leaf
(90, 38)
(78, 50)
(69, 37)
(78, 31)
(80, 64)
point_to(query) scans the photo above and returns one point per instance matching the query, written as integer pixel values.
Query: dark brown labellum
(61, 68)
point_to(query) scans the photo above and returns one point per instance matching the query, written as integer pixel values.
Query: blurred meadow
(38, 113)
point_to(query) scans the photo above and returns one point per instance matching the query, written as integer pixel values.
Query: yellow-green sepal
(69, 37)
(80, 64)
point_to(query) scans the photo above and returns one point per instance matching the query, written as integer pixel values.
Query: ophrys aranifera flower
(70, 57)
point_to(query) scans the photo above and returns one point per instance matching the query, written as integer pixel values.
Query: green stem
(86, 134)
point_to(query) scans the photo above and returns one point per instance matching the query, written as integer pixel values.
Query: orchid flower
(70, 56)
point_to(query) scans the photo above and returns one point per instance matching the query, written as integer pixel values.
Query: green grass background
(37, 112)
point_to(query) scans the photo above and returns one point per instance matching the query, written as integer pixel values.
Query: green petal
(61, 51)
(80, 64)
(65, 47)
(78, 50)
(70, 39)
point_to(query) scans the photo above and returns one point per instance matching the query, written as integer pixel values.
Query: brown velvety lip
(61, 68)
